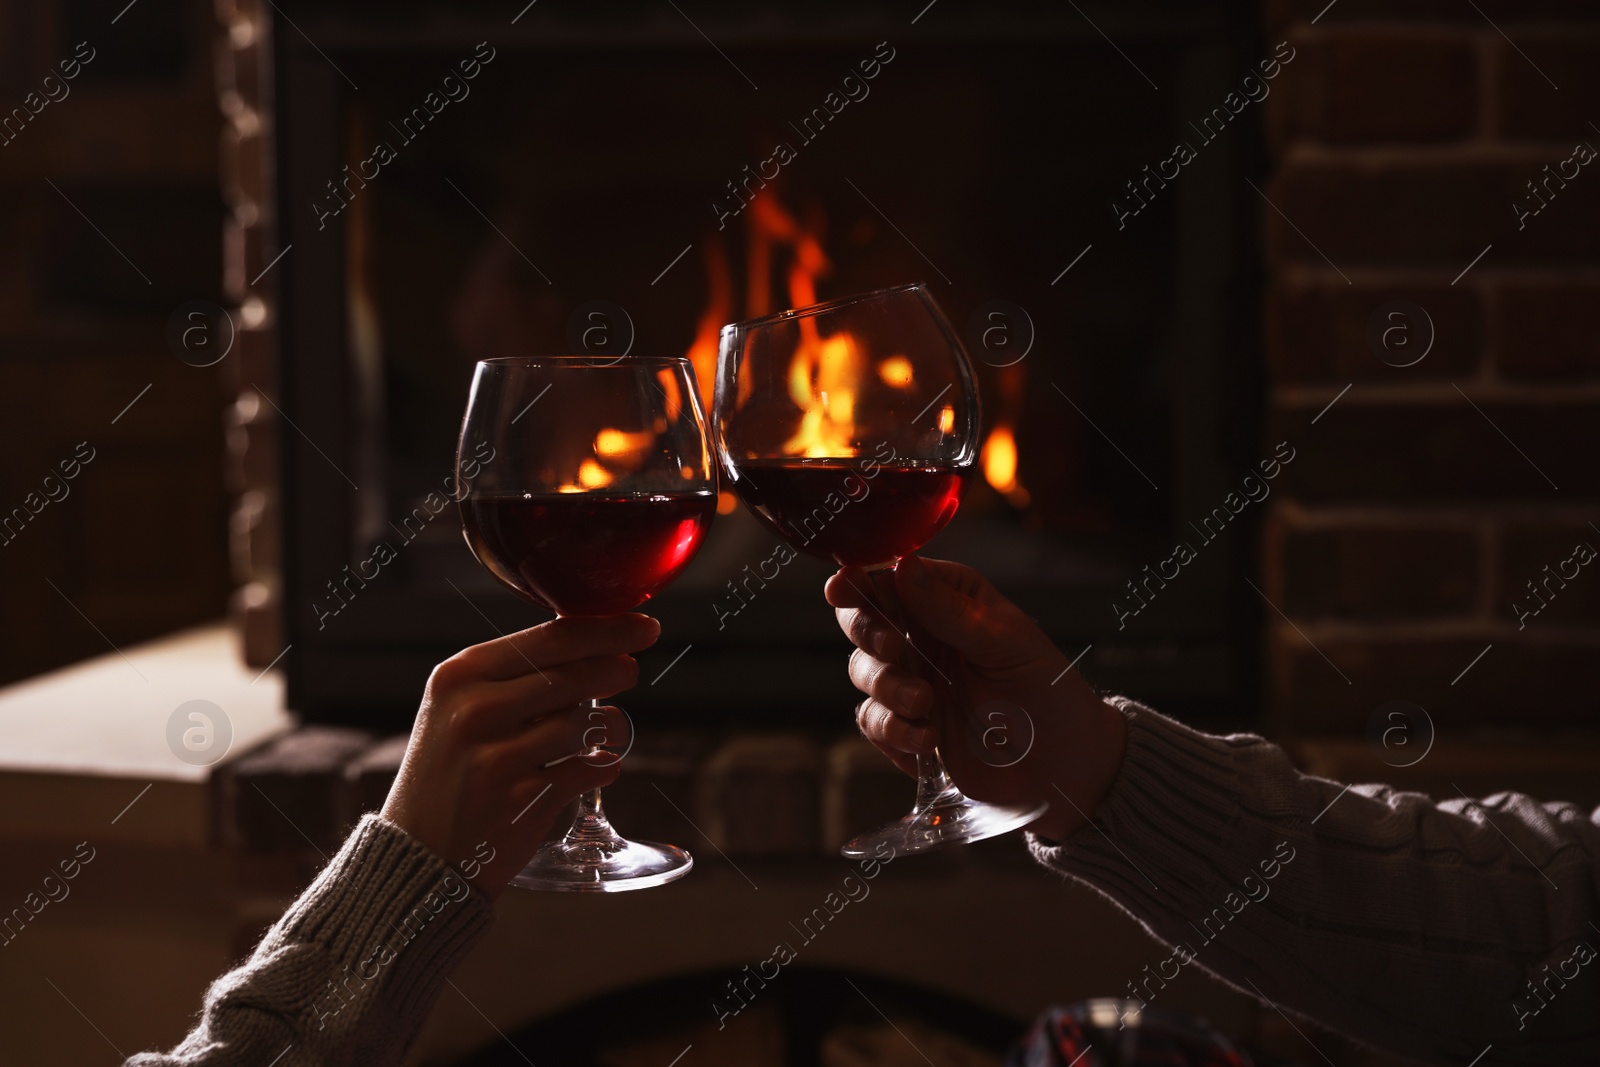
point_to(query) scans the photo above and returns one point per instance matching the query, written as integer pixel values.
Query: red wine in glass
(849, 512)
(587, 553)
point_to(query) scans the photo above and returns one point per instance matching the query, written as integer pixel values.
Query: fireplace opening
(1113, 351)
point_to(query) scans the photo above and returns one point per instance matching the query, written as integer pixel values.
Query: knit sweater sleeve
(1431, 929)
(348, 975)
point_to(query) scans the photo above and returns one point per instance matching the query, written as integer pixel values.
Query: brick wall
(108, 224)
(1426, 497)
(250, 247)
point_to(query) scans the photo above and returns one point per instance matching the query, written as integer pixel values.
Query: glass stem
(934, 786)
(590, 826)
(933, 783)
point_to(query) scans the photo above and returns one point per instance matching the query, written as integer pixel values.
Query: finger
(895, 737)
(541, 647)
(532, 805)
(568, 780)
(491, 710)
(958, 576)
(898, 690)
(963, 620)
(867, 630)
(599, 735)
(552, 740)
(844, 589)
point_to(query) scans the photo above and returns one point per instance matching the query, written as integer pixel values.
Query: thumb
(946, 613)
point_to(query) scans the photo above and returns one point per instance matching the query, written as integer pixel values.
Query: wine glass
(850, 428)
(595, 494)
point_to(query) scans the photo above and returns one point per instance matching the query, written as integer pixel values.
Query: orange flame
(999, 460)
(591, 475)
(719, 307)
(896, 371)
(825, 373)
(616, 444)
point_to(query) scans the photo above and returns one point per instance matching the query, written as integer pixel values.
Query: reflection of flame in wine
(999, 461)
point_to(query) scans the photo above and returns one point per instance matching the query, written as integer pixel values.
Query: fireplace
(456, 186)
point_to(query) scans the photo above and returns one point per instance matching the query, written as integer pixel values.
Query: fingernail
(911, 694)
(879, 639)
(915, 571)
(920, 737)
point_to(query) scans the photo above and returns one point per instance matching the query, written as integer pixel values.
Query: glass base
(952, 819)
(613, 866)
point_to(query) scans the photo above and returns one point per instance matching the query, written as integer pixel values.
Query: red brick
(1282, 12)
(256, 612)
(254, 452)
(373, 772)
(1375, 85)
(293, 793)
(1546, 331)
(253, 536)
(660, 765)
(254, 358)
(860, 789)
(245, 256)
(1390, 451)
(1526, 549)
(243, 169)
(1543, 683)
(1316, 329)
(761, 795)
(1423, 210)
(239, 81)
(230, 11)
(1378, 571)
(1530, 107)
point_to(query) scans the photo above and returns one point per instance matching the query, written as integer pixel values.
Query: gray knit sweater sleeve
(1431, 929)
(349, 973)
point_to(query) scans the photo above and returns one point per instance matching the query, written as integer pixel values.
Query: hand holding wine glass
(485, 771)
(598, 496)
(850, 428)
(1049, 730)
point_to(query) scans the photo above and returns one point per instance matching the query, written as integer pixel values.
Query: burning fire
(614, 451)
(896, 370)
(826, 375)
(719, 307)
(823, 380)
(618, 443)
(999, 460)
(592, 475)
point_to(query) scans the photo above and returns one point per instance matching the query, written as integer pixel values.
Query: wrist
(1085, 777)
